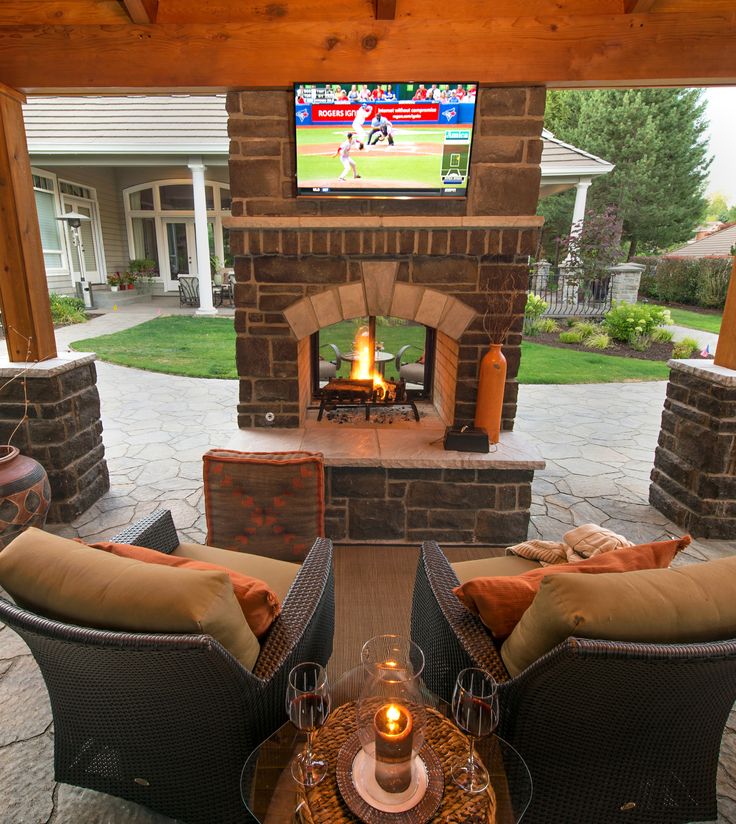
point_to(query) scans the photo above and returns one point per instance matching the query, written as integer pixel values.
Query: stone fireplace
(302, 265)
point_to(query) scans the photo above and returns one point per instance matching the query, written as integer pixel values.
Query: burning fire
(364, 361)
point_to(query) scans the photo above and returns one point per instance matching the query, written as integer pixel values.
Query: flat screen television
(394, 140)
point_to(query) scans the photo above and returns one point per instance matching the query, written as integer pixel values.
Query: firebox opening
(384, 350)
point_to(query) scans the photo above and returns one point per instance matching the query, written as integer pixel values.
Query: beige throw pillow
(683, 605)
(59, 578)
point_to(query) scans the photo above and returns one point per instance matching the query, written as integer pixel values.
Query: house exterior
(135, 164)
(715, 245)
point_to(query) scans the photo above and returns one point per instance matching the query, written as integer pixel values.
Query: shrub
(712, 285)
(547, 325)
(599, 341)
(647, 286)
(585, 328)
(685, 348)
(661, 336)
(627, 321)
(533, 311)
(67, 310)
(571, 337)
(640, 343)
(694, 281)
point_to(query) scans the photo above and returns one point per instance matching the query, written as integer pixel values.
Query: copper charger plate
(422, 812)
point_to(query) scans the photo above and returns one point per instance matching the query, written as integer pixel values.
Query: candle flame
(393, 715)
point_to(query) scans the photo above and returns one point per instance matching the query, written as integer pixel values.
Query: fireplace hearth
(349, 393)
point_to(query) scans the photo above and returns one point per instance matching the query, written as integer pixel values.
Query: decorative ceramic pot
(491, 386)
(25, 494)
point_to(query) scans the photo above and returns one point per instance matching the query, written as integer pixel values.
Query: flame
(361, 369)
(393, 715)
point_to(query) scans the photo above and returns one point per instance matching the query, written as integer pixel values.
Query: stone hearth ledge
(388, 447)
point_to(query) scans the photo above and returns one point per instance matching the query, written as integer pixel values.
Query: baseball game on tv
(383, 139)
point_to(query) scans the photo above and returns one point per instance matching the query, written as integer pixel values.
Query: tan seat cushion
(61, 579)
(279, 575)
(682, 605)
(500, 601)
(500, 567)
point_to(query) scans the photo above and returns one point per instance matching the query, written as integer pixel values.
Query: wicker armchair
(611, 731)
(168, 720)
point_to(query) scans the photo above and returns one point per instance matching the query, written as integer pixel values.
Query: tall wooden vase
(491, 385)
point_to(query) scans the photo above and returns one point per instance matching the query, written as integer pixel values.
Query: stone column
(203, 245)
(63, 431)
(625, 280)
(694, 475)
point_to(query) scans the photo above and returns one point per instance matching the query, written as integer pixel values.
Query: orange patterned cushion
(264, 503)
(260, 604)
(501, 601)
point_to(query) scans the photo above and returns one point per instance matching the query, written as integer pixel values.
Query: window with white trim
(44, 192)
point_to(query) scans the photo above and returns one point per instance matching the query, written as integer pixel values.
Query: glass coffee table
(272, 796)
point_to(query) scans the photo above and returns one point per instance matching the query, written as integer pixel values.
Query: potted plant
(216, 268)
(145, 270)
(114, 281)
(130, 278)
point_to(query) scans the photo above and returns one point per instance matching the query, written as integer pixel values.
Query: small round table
(272, 796)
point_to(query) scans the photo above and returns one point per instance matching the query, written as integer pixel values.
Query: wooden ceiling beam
(141, 11)
(592, 50)
(61, 12)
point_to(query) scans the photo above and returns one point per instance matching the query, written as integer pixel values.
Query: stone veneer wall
(694, 475)
(287, 248)
(63, 431)
(375, 504)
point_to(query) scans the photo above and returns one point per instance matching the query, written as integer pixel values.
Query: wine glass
(308, 705)
(475, 707)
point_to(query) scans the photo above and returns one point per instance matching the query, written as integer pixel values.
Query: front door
(181, 257)
(90, 230)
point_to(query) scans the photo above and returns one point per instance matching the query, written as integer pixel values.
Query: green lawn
(197, 347)
(205, 348)
(550, 364)
(696, 320)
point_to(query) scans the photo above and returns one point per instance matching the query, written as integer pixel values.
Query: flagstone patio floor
(598, 441)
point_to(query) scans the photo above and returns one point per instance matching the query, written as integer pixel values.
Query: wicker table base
(324, 805)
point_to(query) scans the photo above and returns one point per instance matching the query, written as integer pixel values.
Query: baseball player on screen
(343, 151)
(382, 128)
(359, 122)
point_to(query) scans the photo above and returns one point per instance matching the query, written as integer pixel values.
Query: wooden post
(24, 293)
(726, 349)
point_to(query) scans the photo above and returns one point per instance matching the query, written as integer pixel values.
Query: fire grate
(345, 393)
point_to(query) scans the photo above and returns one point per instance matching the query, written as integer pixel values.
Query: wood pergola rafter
(141, 11)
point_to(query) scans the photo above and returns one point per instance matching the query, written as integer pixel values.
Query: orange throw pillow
(500, 602)
(260, 605)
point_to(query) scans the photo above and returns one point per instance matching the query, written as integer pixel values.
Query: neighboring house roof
(197, 124)
(717, 244)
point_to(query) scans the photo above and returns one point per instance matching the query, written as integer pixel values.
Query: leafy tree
(717, 208)
(656, 138)
(591, 248)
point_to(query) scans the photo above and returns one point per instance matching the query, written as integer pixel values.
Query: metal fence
(568, 295)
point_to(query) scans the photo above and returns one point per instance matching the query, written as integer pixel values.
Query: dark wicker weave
(611, 731)
(168, 720)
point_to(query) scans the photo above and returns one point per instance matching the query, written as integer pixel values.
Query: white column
(203, 244)
(581, 197)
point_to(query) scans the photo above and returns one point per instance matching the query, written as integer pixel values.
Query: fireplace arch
(378, 292)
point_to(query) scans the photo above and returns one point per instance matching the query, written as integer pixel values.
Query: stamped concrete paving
(598, 441)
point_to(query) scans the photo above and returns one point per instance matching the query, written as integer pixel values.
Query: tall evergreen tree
(656, 138)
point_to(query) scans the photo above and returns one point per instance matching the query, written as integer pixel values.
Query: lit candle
(394, 738)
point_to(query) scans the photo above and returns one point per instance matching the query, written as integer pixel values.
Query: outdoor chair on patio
(411, 372)
(611, 731)
(188, 291)
(168, 720)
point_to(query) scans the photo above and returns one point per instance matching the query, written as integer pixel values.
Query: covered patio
(118, 445)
